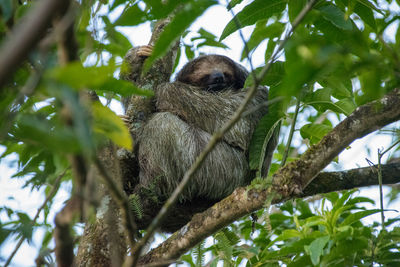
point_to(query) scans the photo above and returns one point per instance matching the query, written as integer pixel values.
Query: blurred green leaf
(365, 14)
(255, 11)
(109, 124)
(336, 16)
(41, 132)
(22, 10)
(79, 77)
(314, 132)
(370, 5)
(356, 217)
(132, 15)
(316, 248)
(262, 32)
(6, 9)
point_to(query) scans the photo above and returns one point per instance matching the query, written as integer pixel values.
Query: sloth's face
(213, 73)
(213, 77)
(217, 80)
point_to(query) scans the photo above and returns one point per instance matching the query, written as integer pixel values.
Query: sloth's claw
(125, 119)
(145, 50)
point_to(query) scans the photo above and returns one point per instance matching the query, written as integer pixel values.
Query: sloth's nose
(217, 77)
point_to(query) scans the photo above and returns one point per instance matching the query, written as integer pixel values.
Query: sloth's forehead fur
(205, 65)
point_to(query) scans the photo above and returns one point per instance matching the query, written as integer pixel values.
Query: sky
(213, 21)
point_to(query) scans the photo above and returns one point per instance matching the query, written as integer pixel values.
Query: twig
(292, 126)
(216, 137)
(380, 155)
(48, 198)
(246, 47)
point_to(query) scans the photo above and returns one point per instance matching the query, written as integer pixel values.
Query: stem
(380, 155)
(292, 126)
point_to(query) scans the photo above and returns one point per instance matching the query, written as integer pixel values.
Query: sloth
(205, 94)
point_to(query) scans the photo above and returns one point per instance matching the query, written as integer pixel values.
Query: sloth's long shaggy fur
(187, 117)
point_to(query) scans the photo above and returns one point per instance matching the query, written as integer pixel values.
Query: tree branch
(26, 35)
(335, 181)
(364, 120)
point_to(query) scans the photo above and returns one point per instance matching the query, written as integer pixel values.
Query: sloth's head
(213, 73)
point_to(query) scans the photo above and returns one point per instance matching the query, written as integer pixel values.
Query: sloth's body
(206, 93)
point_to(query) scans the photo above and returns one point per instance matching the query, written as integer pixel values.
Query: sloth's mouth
(215, 87)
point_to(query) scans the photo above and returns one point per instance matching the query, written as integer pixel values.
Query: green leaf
(321, 101)
(40, 132)
(189, 52)
(365, 14)
(123, 88)
(180, 22)
(106, 122)
(288, 234)
(314, 132)
(316, 248)
(161, 9)
(118, 42)
(207, 39)
(345, 106)
(131, 16)
(6, 9)
(355, 217)
(233, 3)
(116, 3)
(273, 78)
(264, 131)
(77, 76)
(255, 11)
(22, 10)
(336, 16)
(262, 32)
(370, 5)
(100, 78)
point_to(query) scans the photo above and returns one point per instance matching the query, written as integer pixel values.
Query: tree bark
(104, 240)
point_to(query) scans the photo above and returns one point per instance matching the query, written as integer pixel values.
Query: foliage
(344, 54)
(331, 235)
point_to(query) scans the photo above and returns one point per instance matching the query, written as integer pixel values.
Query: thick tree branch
(297, 174)
(26, 35)
(334, 181)
(364, 120)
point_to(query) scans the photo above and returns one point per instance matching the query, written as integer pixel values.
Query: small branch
(292, 126)
(246, 47)
(122, 201)
(26, 35)
(48, 198)
(64, 249)
(380, 155)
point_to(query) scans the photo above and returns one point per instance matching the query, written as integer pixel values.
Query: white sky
(213, 20)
